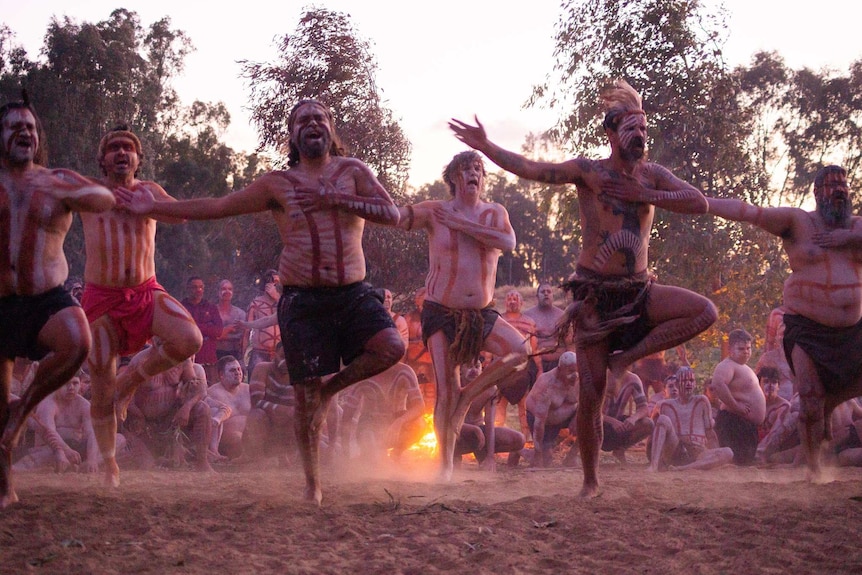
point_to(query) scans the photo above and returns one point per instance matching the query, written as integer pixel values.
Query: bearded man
(327, 314)
(822, 299)
(620, 313)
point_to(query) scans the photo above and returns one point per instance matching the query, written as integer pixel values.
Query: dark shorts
(737, 433)
(514, 393)
(323, 327)
(835, 351)
(615, 297)
(22, 317)
(551, 431)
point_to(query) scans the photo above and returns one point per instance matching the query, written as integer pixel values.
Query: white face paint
(632, 134)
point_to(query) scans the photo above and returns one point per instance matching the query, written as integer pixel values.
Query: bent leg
(383, 350)
(177, 338)
(678, 315)
(664, 442)
(66, 336)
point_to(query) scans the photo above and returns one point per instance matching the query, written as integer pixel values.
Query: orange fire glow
(427, 446)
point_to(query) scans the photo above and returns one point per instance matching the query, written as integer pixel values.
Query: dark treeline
(757, 132)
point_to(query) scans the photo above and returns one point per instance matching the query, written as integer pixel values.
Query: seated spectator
(230, 402)
(670, 390)
(383, 413)
(622, 431)
(774, 433)
(679, 440)
(269, 423)
(551, 407)
(64, 438)
(168, 414)
(846, 427)
(480, 435)
(743, 406)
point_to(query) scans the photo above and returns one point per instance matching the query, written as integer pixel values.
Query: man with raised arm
(327, 313)
(466, 236)
(39, 319)
(125, 305)
(620, 314)
(822, 299)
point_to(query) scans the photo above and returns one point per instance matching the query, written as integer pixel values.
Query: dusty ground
(733, 520)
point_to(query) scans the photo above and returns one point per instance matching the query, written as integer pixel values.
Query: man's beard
(633, 153)
(315, 148)
(835, 217)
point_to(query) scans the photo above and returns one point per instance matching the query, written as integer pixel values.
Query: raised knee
(710, 313)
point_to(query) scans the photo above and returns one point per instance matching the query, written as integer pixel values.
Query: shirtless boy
(743, 405)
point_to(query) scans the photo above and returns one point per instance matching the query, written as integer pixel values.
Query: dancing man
(620, 313)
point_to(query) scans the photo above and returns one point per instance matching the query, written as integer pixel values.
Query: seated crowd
(192, 416)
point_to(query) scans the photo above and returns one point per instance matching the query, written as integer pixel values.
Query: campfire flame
(427, 446)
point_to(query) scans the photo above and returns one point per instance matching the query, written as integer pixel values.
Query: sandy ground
(732, 520)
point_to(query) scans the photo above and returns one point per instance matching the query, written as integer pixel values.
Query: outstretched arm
(256, 197)
(777, 221)
(550, 173)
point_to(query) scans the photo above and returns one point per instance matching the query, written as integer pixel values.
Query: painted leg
(593, 375)
(666, 303)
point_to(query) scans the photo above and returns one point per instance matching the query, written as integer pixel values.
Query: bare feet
(7, 491)
(313, 493)
(112, 473)
(589, 491)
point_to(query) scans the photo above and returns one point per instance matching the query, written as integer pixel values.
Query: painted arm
(160, 195)
(840, 238)
(78, 193)
(567, 172)
(371, 201)
(256, 197)
(64, 456)
(261, 322)
(669, 192)
(777, 221)
(501, 237)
